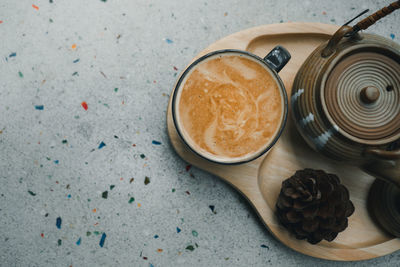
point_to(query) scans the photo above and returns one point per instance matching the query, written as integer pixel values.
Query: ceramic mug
(272, 64)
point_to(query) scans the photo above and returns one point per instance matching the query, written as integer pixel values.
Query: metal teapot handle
(362, 25)
(334, 41)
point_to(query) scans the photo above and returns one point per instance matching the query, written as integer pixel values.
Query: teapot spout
(388, 170)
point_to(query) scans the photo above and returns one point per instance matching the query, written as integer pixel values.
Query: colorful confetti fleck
(56, 161)
(102, 144)
(35, 7)
(59, 242)
(1, 21)
(73, 46)
(31, 193)
(156, 236)
(78, 243)
(112, 187)
(84, 105)
(104, 194)
(146, 180)
(188, 167)
(58, 222)
(169, 41)
(102, 239)
(39, 107)
(142, 156)
(154, 142)
(178, 230)
(75, 73)
(264, 246)
(76, 60)
(42, 235)
(13, 54)
(173, 190)
(159, 250)
(88, 233)
(392, 36)
(131, 200)
(194, 233)
(20, 74)
(115, 89)
(191, 248)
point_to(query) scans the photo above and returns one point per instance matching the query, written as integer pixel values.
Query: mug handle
(277, 58)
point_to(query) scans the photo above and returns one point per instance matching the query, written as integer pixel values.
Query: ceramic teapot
(346, 99)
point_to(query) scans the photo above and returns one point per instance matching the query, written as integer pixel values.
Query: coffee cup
(230, 106)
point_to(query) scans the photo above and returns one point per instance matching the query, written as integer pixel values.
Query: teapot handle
(334, 41)
(386, 166)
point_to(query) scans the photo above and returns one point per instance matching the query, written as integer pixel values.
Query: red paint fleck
(188, 167)
(96, 224)
(134, 145)
(121, 179)
(145, 258)
(323, 13)
(175, 68)
(1, 21)
(123, 102)
(35, 7)
(154, 81)
(84, 105)
(187, 192)
(42, 235)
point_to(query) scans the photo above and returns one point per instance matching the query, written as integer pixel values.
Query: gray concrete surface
(51, 165)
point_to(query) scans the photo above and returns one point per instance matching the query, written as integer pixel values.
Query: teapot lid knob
(369, 94)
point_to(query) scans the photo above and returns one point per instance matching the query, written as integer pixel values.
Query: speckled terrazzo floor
(84, 87)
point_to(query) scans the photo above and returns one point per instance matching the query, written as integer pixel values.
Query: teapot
(346, 100)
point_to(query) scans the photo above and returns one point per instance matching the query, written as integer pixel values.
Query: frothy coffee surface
(230, 106)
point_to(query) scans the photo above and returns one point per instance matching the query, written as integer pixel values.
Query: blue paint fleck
(76, 60)
(78, 243)
(39, 107)
(264, 246)
(58, 222)
(178, 230)
(13, 54)
(151, 265)
(102, 239)
(169, 41)
(69, 196)
(155, 236)
(102, 144)
(154, 142)
(392, 36)
(56, 161)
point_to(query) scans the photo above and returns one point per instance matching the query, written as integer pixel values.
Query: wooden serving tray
(260, 180)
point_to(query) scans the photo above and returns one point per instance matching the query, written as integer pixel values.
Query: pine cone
(313, 205)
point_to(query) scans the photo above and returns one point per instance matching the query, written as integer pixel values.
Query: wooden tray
(260, 180)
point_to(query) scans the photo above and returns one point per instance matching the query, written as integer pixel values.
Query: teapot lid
(362, 97)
